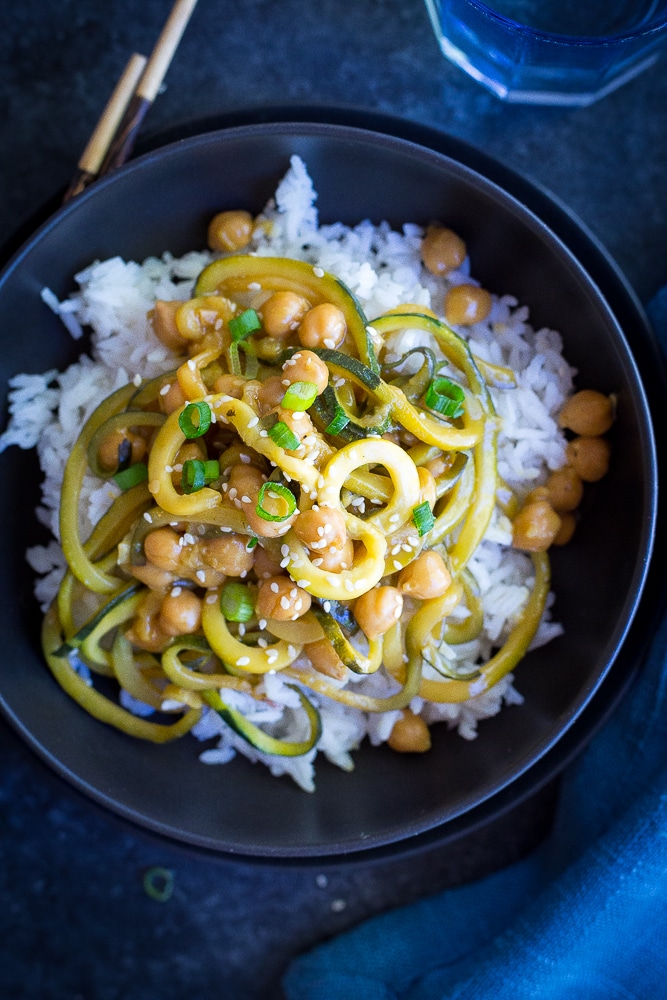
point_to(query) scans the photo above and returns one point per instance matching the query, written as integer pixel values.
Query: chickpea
(230, 385)
(333, 559)
(279, 597)
(304, 366)
(245, 482)
(202, 314)
(325, 659)
(281, 314)
(589, 457)
(588, 412)
(270, 394)
(108, 453)
(539, 493)
(568, 524)
(145, 631)
(321, 527)
(162, 318)
(565, 489)
(467, 304)
(323, 326)
(180, 612)
(410, 734)
(442, 250)
(378, 610)
(171, 397)
(298, 421)
(265, 565)
(163, 549)
(230, 231)
(228, 554)
(535, 527)
(152, 576)
(425, 577)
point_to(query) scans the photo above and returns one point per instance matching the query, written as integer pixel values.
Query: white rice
(382, 268)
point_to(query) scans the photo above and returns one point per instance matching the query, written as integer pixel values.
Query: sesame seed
(284, 603)
(165, 389)
(318, 272)
(349, 586)
(246, 499)
(191, 365)
(302, 583)
(137, 380)
(262, 643)
(241, 629)
(246, 458)
(252, 423)
(212, 598)
(327, 606)
(176, 591)
(201, 575)
(397, 564)
(147, 517)
(243, 661)
(254, 286)
(274, 587)
(262, 623)
(330, 343)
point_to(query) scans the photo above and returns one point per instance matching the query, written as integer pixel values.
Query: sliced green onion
(197, 473)
(275, 491)
(236, 602)
(283, 436)
(300, 396)
(245, 324)
(339, 421)
(134, 474)
(422, 515)
(195, 419)
(446, 397)
(251, 544)
(251, 362)
(159, 884)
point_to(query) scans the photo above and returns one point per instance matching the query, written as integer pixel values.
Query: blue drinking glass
(567, 52)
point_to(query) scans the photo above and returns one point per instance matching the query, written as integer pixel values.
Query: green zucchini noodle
(270, 474)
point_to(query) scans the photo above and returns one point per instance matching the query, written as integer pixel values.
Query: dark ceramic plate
(162, 201)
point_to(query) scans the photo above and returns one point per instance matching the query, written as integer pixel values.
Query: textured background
(75, 921)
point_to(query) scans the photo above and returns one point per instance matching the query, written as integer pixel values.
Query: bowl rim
(174, 148)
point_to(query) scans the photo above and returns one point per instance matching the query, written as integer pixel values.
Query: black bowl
(162, 201)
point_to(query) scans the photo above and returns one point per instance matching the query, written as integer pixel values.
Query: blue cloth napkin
(584, 917)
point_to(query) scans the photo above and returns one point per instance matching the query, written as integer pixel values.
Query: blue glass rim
(656, 24)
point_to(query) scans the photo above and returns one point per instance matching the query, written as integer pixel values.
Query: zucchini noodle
(338, 576)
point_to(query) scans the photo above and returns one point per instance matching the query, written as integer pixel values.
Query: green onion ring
(445, 396)
(299, 396)
(195, 426)
(275, 490)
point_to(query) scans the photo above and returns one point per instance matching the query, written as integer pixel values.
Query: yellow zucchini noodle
(291, 501)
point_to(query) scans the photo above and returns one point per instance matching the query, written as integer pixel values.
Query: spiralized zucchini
(313, 511)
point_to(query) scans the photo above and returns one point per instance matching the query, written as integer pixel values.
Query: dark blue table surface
(75, 921)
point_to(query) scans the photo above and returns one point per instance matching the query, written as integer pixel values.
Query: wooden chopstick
(90, 162)
(148, 86)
